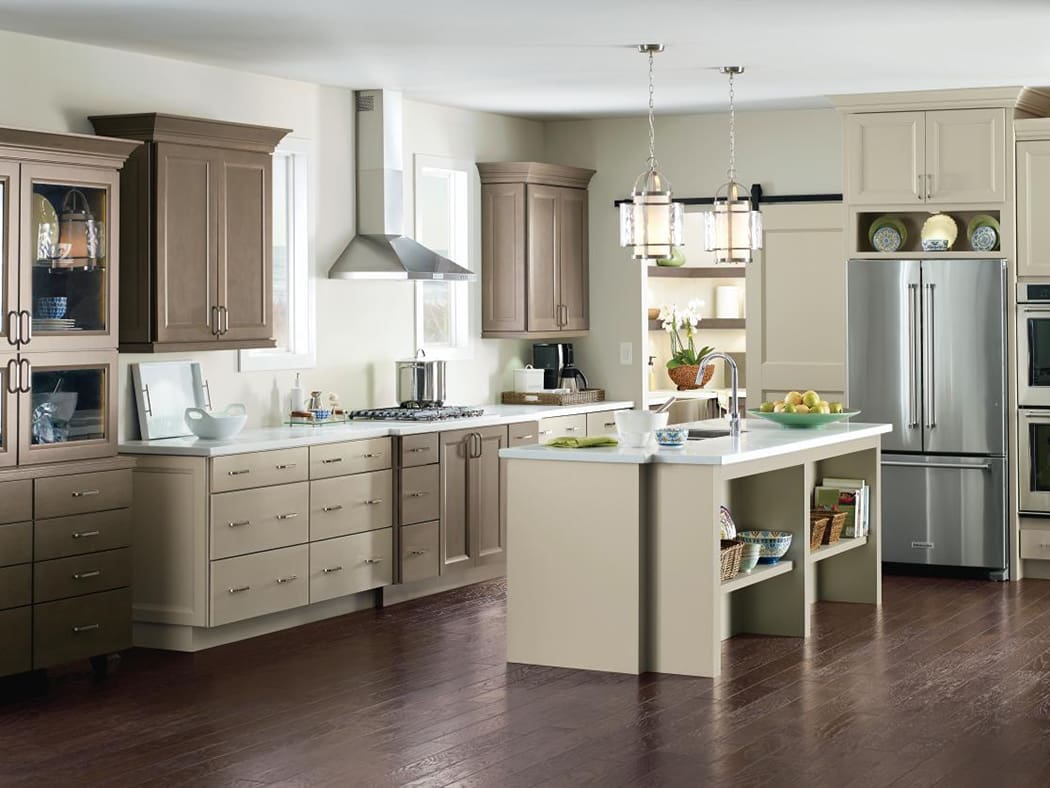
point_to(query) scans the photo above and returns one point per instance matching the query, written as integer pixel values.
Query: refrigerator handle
(913, 308)
(930, 344)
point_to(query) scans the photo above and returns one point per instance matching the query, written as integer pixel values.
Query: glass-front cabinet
(67, 406)
(8, 412)
(9, 326)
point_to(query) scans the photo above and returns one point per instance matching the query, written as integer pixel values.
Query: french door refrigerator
(926, 352)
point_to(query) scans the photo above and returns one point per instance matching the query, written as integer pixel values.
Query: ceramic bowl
(934, 245)
(635, 428)
(50, 308)
(749, 557)
(217, 426)
(773, 544)
(320, 414)
(672, 437)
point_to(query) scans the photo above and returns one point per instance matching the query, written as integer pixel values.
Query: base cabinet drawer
(18, 501)
(16, 543)
(251, 521)
(82, 627)
(259, 469)
(419, 552)
(254, 585)
(563, 427)
(601, 423)
(420, 494)
(526, 433)
(82, 533)
(419, 449)
(351, 564)
(81, 574)
(16, 587)
(58, 496)
(16, 635)
(351, 504)
(1035, 543)
(340, 459)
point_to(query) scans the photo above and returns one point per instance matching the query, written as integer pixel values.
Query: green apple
(801, 409)
(810, 399)
(766, 407)
(793, 398)
(778, 407)
(823, 407)
(836, 407)
(789, 408)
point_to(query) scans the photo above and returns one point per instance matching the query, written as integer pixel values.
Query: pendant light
(732, 229)
(651, 223)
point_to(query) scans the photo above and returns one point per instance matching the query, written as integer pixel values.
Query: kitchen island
(615, 566)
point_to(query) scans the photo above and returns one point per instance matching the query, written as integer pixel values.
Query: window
(293, 322)
(444, 197)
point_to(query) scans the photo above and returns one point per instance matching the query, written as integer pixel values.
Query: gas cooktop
(429, 413)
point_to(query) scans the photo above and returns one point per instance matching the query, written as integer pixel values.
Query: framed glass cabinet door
(9, 317)
(67, 409)
(8, 412)
(69, 257)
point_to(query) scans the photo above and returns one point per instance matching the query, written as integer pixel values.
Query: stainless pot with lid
(420, 382)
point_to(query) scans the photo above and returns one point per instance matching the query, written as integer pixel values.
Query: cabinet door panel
(490, 526)
(966, 155)
(1033, 206)
(456, 487)
(572, 259)
(9, 207)
(245, 232)
(885, 158)
(503, 257)
(16, 633)
(187, 246)
(8, 410)
(542, 241)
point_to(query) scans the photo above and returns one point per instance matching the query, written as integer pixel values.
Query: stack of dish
(55, 324)
(887, 234)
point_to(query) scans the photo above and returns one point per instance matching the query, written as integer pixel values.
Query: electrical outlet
(626, 353)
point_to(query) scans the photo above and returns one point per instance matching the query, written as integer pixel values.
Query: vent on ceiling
(366, 103)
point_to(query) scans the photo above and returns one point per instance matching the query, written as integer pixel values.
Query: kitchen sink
(703, 433)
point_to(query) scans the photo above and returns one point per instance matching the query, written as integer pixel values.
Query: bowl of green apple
(803, 410)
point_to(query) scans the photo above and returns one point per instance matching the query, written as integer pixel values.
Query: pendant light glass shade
(651, 223)
(732, 229)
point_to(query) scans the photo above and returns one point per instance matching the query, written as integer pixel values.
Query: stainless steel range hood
(380, 250)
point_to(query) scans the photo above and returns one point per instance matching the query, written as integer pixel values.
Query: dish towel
(583, 443)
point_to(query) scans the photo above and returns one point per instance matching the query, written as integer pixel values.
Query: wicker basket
(732, 550)
(684, 377)
(818, 523)
(584, 397)
(833, 531)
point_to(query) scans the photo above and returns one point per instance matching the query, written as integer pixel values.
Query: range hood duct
(380, 249)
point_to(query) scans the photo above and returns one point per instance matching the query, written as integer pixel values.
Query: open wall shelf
(697, 272)
(913, 221)
(708, 324)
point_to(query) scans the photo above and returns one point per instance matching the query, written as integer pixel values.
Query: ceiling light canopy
(651, 223)
(732, 228)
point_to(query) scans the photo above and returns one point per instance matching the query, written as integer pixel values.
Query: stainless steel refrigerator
(926, 352)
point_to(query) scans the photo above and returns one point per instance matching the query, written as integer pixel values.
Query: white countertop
(660, 396)
(760, 439)
(286, 437)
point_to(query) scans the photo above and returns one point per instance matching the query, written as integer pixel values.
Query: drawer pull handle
(85, 534)
(418, 494)
(238, 473)
(610, 424)
(373, 560)
(526, 437)
(330, 570)
(285, 467)
(288, 579)
(571, 429)
(335, 508)
(85, 493)
(374, 502)
(238, 589)
(330, 460)
(372, 456)
(288, 516)
(239, 523)
(418, 552)
(87, 575)
(419, 449)
(86, 628)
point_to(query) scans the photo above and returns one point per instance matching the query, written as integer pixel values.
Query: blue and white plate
(886, 239)
(984, 238)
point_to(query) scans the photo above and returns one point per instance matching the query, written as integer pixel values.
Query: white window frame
(464, 252)
(302, 353)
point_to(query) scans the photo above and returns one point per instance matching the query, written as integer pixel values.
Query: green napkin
(583, 443)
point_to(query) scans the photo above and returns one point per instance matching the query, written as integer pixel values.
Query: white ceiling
(550, 58)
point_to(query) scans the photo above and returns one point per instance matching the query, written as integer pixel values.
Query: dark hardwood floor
(947, 684)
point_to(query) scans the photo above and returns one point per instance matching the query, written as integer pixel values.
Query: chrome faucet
(734, 403)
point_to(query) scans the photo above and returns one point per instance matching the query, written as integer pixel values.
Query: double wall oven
(1033, 396)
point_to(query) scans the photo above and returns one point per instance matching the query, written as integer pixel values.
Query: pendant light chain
(652, 124)
(732, 128)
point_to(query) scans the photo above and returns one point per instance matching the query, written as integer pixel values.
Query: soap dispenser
(295, 398)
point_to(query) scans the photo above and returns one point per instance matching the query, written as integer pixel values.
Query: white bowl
(217, 426)
(636, 427)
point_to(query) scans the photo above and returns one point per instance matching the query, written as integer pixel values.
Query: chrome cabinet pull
(418, 450)
(288, 516)
(225, 319)
(929, 186)
(207, 391)
(290, 578)
(330, 570)
(373, 502)
(238, 589)
(12, 327)
(610, 424)
(940, 466)
(418, 494)
(25, 327)
(913, 307)
(241, 472)
(25, 376)
(86, 628)
(331, 460)
(526, 437)
(85, 493)
(215, 324)
(85, 534)
(334, 508)
(87, 575)
(930, 344)
(239, 523)
(571, 429)
(285, 467)
(418, 552)
(373, 560)
(13, 386)
(371, 456)
(918, 186)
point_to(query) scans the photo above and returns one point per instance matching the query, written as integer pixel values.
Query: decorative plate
(886, 239)
(887, 220)
(726, 525)
(940, 229)
(983, 232)
(45, 224)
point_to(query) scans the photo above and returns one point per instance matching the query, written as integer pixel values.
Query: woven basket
(818, 523)
(548, 398)
(833, 531)
(685, 377)
(732, 550)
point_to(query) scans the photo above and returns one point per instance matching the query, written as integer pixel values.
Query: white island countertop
(759, 440)
(286, 437)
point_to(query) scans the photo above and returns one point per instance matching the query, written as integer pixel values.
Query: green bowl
(803, 420)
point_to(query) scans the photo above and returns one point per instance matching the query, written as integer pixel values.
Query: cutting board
(163, 391)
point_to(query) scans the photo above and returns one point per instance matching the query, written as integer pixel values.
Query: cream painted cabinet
(943, 156)
(1033, 208)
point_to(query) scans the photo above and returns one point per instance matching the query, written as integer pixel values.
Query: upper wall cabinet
(197, 252)
(954, 156)
(534, 250)
(1033, 206)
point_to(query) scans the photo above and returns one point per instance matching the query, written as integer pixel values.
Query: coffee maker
(556, 361)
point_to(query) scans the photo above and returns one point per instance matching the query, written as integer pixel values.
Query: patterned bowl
(749, 557)
(50, 308)
(672, 437)
(935, 245)
(774, 544)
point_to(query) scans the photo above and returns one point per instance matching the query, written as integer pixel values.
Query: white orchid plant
(687, 320)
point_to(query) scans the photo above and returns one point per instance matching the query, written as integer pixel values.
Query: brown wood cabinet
(197, 271)
(534, 259)
(472, 529)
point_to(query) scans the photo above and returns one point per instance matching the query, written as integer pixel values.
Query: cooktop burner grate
(443, 413)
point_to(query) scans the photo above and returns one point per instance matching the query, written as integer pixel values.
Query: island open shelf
(758, 574)
(841, 546)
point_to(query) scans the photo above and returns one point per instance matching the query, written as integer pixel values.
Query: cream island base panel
(626, 579)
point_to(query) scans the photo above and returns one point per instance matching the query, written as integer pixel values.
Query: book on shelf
(853, 497)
